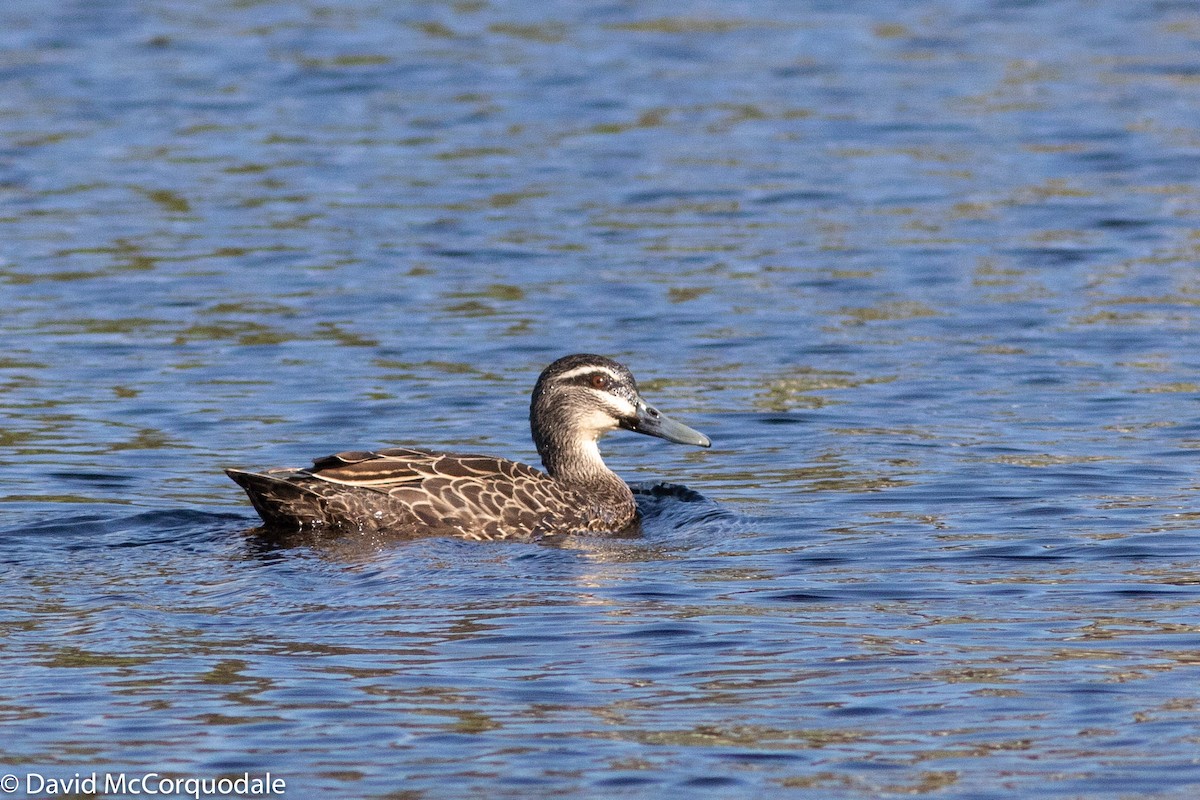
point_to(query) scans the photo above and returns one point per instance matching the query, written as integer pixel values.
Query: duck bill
(653, 422)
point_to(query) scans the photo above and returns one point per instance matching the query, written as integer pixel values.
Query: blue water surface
(927, 274)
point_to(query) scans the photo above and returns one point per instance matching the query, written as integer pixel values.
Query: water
(926, 273)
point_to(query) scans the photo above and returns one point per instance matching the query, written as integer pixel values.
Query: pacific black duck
(576, 400)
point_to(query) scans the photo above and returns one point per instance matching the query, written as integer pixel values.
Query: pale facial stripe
(588, 370)
(623, 406)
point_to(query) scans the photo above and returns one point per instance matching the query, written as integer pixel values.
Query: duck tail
(279, 501)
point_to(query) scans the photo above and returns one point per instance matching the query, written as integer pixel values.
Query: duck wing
(478, 496)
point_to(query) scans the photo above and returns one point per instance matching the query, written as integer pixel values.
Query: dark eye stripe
(589, 380)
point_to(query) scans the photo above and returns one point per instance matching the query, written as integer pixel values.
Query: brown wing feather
(403, 465)
(479, 496)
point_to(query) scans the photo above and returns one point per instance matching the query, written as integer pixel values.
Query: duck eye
(599, 381)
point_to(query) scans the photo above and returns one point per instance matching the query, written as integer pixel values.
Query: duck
(409, 490)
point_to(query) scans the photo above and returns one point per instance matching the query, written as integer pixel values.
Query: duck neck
(578, 464)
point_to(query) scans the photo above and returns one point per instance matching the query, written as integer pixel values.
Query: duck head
(581, 397)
